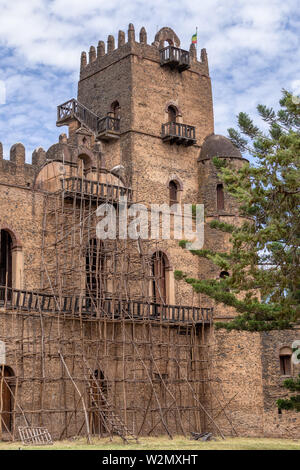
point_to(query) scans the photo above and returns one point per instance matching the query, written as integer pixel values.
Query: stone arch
(15, 238)
(175, 105)
(177, 180)
(87, 156)
(168, 35)
(14, 264)
(166, 254)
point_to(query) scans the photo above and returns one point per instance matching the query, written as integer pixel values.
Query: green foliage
(222, 226)
(293, 402)
(264, 258)
(179, 275)
(219, 163)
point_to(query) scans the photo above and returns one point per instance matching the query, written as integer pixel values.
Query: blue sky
(253, 51)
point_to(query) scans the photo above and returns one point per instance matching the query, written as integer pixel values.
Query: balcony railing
(175, 58)
(108, 128)
(86, 188)
(73, 109)
(178, 133)
(23, 300)
(105, 128)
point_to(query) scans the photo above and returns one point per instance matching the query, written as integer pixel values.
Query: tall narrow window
(116, 110)
(285, 359)
(173, 192)
(5, 261)
(172, 113)
(159, 264)
(220, 197)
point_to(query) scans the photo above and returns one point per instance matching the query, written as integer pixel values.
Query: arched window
(173, 192)
(285, 359)
(94, 269)
(5, 261)
(7, 393)
(220, 197)
(159, 265)
(116, 110)
(172, 114)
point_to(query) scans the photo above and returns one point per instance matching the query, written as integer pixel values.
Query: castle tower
(218, 204)
(148, 86)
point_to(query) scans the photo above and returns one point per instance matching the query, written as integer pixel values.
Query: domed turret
(218, 146)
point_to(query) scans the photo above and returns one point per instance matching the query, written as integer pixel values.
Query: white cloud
(253, 50)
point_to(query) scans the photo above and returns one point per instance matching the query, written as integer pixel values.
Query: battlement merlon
(15, 170)
(100, 59)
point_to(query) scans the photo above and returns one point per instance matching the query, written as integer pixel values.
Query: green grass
(163, 443)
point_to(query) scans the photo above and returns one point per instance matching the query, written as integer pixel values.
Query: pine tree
(263, 262)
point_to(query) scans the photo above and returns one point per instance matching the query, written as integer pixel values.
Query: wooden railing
(108, 123)
(95, 189)
(24, 300)
(181, 133)
(73, 108)
(175, 57)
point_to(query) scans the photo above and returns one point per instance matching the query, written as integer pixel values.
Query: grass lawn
(163, 443)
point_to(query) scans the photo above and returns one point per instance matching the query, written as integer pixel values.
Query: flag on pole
(194, 38)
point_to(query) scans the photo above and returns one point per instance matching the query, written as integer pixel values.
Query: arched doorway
(172, 114)
(98, 404)
(159, 272)
(116, 110)
(6, 402)
(84, 165)
(5, 262)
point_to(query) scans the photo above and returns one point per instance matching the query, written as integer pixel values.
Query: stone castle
(98, 336)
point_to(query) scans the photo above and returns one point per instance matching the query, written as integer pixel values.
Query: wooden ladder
(112, 422)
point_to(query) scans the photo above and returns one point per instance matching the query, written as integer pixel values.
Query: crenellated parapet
(104, 56)
(16, 170)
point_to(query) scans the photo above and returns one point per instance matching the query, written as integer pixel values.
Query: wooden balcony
(30, 301)
(175, 58)
(82, 188)
(108, 128)
(181, 134)
(72, 109)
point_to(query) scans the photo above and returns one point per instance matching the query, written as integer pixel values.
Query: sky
(253, 52)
